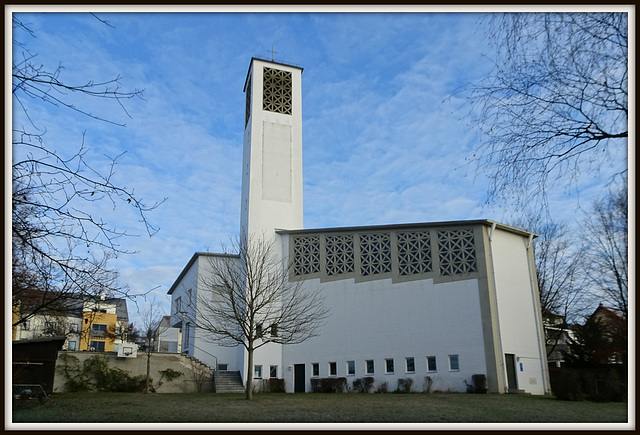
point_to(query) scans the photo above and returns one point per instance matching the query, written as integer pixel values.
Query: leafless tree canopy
(58, 245)
(248, 300)
(605, 233)
(556, 103)
(252, 289)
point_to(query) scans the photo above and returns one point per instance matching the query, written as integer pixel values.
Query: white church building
(447, 300)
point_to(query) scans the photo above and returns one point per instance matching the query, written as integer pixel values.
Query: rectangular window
(98, 327)
(370, 367)
(273, 371)
(411, 364)
(454, 363)
(50, 326)
(259, 330)
(187, 332)
(351, 367)
(72, 345)
(116, 347)
(388, 365)
(315, 369)
(177, 305)
(257, 372)
(333, 369)
(274, 330)
(97, 346)
(74, 327)
(431, 364)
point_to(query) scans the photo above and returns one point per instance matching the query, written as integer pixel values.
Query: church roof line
(193, 259)
(485, 222)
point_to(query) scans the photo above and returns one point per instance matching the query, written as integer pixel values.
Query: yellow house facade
(98, 331)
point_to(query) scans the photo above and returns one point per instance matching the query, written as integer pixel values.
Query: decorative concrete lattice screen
(277, 91)
(457, 252)
(414, 253)
(247, 109)
(306, 255)
(398, 254)
(375, 253)
(339, 254)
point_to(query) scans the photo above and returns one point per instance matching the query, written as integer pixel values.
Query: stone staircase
(228, 382)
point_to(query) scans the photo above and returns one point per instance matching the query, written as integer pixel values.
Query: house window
(26, 325)
(388, 365)
(454, 365)
(98, 327)
(370, 367)
(333, 369)
(273, 371)
(259, 330)
(116, 346)
(257, 372)
(177, 305)
(97, 346)
(74, 327)
(315, 369)
(411, 364)
(223, 367)
(274, 330)
(72, 345)
(351, 367)
(431, 364)
(118, 329)
(186, 337)
(50, 326)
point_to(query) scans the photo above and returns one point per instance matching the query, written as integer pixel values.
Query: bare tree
(151, 319)
(58, 246)
(606, 233)
(556, 104)
(247, 299)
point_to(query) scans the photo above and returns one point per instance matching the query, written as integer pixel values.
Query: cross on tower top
(272, 52)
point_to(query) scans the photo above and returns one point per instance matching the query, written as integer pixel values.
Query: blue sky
(383, 139)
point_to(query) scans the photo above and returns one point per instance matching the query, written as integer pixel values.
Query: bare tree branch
(247, 299)
(556, 103)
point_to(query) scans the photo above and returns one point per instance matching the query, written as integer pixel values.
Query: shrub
(271, 385)
(478, 384)
(566, 385)
(404, 385)
(363, 385)
(383, 388)
(428, 384)
(329, 385)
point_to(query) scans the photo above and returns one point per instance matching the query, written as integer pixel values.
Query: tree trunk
(146, 387)
(249, 389)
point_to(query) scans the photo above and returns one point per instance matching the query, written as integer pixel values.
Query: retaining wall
(138, 367)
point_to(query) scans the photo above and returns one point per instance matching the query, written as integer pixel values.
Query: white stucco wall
(377, 320)
(518, 313)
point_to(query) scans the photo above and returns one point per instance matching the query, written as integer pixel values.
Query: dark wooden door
(298, 378)
(510, 360)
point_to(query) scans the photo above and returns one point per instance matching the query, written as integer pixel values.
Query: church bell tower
(272, 150)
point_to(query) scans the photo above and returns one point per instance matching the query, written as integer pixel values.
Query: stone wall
(187, 383)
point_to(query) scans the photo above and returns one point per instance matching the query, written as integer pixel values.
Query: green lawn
(315, 408)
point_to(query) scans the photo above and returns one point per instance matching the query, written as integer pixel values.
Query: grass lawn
(315, 408)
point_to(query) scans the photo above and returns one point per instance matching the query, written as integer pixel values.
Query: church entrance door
(510, 360)
(298, 378)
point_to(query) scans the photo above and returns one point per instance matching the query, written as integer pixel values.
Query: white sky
(383, 139)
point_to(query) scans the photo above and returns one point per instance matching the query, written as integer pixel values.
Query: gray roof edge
(193, 259)
(485, 222)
